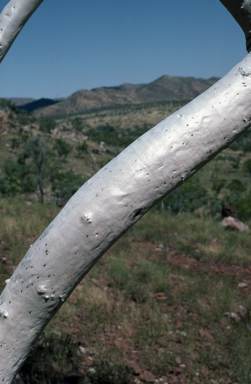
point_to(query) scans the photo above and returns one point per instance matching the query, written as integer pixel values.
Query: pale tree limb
(111, 202)
(241, 11)
(12, 19)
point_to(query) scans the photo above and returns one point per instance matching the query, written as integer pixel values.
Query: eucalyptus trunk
(116, 198)
(12, 19)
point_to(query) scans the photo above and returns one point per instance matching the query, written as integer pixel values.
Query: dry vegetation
(170, 302)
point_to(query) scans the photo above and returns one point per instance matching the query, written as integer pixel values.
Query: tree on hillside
(77, 124)
(82, 148)
(18, 178)
(8, 106)
(63, 148)
(38, 153)
(47, 124)
(65, 184)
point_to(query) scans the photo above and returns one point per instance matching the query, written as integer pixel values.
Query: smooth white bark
(12, 19)
(111, 202)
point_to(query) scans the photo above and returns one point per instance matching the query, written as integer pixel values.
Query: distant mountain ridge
(19, 101)
(36, 104)
(165, 88)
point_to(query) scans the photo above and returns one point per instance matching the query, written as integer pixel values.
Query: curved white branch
(111, 202)
(12, 19)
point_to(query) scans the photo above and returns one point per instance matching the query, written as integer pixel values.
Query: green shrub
(218, 184)
(82, 148)
(138, 292)
(236, 186)
(65, 184)
(36, 157)
(235, 161)
(215, 207)
(49, 359)
(11, 186)
(77, 124)
(24, 118)
(24, 136)
(63, 148)
(246, 147)
(144, 272)
(105, 133)
(109, 135)
(13, 168)
(15, 143)
(187, 198)
(242, 143)
(243, 208)
(47, 124)
(7, 105)
(19, 178)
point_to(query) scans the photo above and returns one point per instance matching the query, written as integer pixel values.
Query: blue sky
(69, 45)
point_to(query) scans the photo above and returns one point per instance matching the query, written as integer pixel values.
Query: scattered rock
(242, 285)
(95, 281)
(70, 135)
(163, 380)
(182, 333)
(136, 370)
(241, 311)
(82, 350)
(147, 377)
(178, 370)
(159, 296)
(232, 223)
(234, 316)
(102, 146)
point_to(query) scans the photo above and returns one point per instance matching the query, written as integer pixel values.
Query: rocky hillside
(4, 121)
(163, 89)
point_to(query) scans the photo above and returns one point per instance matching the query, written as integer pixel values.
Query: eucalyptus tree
(39, 154)
(117, 196)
